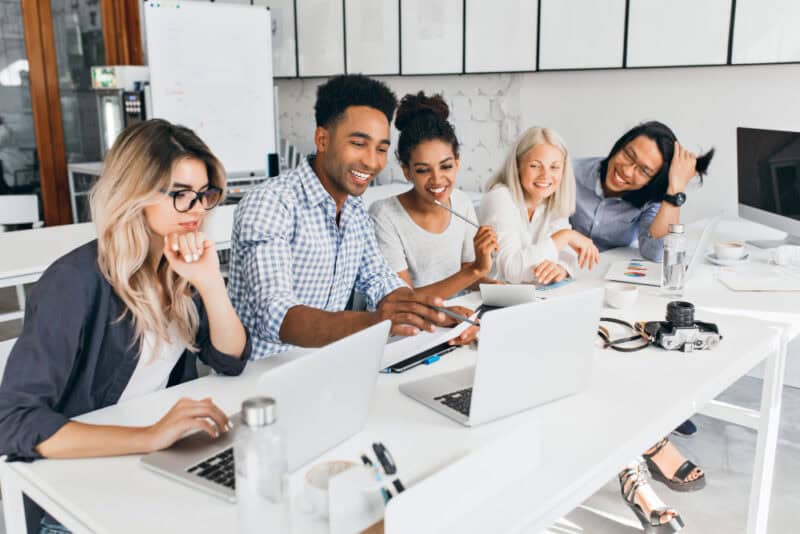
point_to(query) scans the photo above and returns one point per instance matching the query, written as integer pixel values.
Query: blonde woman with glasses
(528, 203)
(129, 313)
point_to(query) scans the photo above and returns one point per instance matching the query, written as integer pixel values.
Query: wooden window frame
(123, 45)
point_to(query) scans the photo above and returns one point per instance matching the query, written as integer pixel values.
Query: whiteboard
(678, 32)
(500, 35)
(217, 83)
(284, 62)
(432, 36)
(766, 31)
(581, 34)
(372, 36)
(320, 37)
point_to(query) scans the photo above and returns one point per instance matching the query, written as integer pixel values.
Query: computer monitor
(769, 181)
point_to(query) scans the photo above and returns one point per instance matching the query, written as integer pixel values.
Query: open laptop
(643, 272)
(322, 397)
(528, 355)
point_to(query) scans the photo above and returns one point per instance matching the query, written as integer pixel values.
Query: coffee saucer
(712, 258)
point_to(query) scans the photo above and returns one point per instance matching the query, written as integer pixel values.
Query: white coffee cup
(729, 250)
(317, 479)
(621, 295)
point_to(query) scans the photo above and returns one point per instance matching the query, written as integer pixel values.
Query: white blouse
(523, 243)
(153, 368)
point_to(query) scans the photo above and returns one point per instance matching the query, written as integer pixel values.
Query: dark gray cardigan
(74, 355)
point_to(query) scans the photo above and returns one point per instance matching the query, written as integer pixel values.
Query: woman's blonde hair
(562, 202)
(136, 173)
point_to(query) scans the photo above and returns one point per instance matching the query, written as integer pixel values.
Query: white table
(26, 254)
(580, 442)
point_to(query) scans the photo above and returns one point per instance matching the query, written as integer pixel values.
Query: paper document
(400, 348)
(745, 281)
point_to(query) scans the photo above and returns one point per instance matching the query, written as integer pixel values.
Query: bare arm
(408, 310)
(681, 170)
(81, 440)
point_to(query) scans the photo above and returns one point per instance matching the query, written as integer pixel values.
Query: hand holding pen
(485, 241)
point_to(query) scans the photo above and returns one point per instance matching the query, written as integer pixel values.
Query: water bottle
(261, 470)
(673, 275)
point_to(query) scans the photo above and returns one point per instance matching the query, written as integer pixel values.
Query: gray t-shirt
(428, 257)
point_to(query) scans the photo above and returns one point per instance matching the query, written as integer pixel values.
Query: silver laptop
(528, 355)
(503, 295)
(323, 398)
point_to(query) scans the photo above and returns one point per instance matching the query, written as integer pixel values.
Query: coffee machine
(122, 99)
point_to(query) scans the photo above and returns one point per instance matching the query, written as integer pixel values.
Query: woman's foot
(669, 466)
(654, 515)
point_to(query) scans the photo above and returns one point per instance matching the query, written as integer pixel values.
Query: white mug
(729, 250)
(316, 486)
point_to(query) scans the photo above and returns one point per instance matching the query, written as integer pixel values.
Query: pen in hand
(454, 315)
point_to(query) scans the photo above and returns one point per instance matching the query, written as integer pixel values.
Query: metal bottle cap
(676, 228)
(259, 411)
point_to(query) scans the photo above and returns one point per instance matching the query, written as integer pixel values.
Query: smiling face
(633, 167)
(162, 217)
(432, 169)
(352, 151)
(541, 170)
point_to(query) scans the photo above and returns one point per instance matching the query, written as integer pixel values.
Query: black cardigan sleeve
(219, 361)
(41, 363)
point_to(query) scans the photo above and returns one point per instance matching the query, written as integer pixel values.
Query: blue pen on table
(387, 495)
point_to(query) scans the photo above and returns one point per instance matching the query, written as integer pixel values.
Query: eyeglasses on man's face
(642, 172)
(183, 200)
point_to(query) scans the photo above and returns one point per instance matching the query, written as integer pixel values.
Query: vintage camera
(680, 331)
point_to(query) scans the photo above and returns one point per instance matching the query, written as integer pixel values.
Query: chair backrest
(5, 350)
(19, 209)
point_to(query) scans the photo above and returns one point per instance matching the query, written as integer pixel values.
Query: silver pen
(454, 315)
(443, 205)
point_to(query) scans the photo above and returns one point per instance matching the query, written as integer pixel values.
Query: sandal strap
(657, 448)
(683, 472)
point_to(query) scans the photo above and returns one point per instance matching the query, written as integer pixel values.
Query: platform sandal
(631, 480)
(678, 481)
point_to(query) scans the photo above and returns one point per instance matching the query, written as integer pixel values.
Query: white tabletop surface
(577, 443)
(26, 254)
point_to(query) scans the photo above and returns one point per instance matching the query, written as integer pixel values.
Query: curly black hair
(423, 118)
(341, 92)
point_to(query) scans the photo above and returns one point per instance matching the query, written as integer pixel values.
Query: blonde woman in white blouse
(528, 203)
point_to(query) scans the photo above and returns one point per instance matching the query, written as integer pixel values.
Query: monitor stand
(766, 243)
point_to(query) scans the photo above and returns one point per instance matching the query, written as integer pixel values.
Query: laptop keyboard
(458, 400)
(218, 469)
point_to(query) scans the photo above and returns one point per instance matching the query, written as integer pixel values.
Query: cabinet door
(320, 37)
(678, 32)
(500, 35)
(372, 36)
(284, 61)
(766, 31)
(432, 36)
(581, 34)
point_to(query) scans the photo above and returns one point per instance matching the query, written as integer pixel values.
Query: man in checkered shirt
(303, 242)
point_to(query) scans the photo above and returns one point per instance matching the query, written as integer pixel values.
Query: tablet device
(503, 295)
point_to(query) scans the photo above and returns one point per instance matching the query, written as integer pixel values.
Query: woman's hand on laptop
(185, 416)
(410, 312)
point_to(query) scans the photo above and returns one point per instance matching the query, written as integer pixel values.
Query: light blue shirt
(611, 222)
(288, 250)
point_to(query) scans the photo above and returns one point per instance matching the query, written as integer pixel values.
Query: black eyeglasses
(184, 200)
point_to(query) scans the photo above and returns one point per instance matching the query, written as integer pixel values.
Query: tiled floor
(725, 451)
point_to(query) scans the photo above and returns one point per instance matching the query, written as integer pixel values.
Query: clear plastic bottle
(673, 275)
(261, 470)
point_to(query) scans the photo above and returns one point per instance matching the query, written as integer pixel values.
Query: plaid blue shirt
(287, 250)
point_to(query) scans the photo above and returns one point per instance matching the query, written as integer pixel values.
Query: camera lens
(680, 314)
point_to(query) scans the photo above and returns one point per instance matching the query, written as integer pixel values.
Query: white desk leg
(13, 507)
(767, 442)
